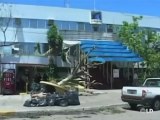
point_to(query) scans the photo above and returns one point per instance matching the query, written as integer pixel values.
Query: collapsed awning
(108, 50)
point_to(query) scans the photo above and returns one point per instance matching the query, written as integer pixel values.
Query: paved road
(15, 103)
(114, 113)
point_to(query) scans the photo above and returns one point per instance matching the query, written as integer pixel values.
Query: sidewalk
(100, 99)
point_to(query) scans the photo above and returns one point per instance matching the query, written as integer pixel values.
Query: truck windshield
(152, 83)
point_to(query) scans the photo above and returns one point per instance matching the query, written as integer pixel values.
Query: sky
(142, 7)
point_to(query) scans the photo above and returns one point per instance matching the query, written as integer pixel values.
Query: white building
(29, 24)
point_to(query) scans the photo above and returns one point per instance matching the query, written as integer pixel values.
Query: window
(109, 28)
(153, 83)
(88, 27)
(41, 23)
(25, 23)
(116, 28)
(33, 23)
(58, 25)
(11, 23)
(102, 28)
(50, 22)
(95, 28)
(7, 50)
(65, 25)
(17, 22)
(96, 15)
(4, 21)
(73, 26)
(81, 27)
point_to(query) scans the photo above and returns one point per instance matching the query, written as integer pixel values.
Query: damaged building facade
(28, 25)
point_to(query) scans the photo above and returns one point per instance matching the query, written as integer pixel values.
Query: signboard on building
(115, 73)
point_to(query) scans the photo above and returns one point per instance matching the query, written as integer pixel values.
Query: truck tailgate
(132, 91)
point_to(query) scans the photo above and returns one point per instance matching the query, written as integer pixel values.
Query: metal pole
(94, 4)
(103, 70)
(111, 76)
(128, 70)
(107, 73)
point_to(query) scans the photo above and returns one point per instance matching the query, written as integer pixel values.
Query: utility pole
(94, 5)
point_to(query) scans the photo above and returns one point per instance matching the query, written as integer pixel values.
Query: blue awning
(108, 50)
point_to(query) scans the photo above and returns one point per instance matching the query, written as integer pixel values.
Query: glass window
(7, 50)
(109, 28)
(95, 28)
(4, 22)
(65, 25)
(49, 23)
(41, 23)
(81, 27)
(96, 15)
(27, 48)
(102, 28)
(30, 48)
(58, 24)
(11, 23)
(73, 26)
(17, 22)
(33, 23)
(88, 27)
(25, 23)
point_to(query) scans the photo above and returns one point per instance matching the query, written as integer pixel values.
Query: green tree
(143, 41)
(55, 42)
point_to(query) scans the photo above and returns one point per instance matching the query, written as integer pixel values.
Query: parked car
(147, 95)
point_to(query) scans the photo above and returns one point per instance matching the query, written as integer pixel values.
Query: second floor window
(33, 23)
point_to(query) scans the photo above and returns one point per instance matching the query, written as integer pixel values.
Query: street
(113, 113)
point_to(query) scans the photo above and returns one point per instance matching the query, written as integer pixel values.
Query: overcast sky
(143, 7)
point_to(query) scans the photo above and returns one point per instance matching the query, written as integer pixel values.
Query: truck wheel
(133, 106)
(156, 105)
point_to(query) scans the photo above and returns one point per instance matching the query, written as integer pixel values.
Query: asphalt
(91, 101)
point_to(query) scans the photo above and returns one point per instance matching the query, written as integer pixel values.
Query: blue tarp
(115, 59)
(108, 50)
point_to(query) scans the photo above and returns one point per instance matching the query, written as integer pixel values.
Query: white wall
(44, 12)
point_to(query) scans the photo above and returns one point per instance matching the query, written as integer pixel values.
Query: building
(28, 25)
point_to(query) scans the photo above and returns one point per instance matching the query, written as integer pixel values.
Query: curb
(47, 112)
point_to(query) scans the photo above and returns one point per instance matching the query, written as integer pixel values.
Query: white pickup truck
(147, 95)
